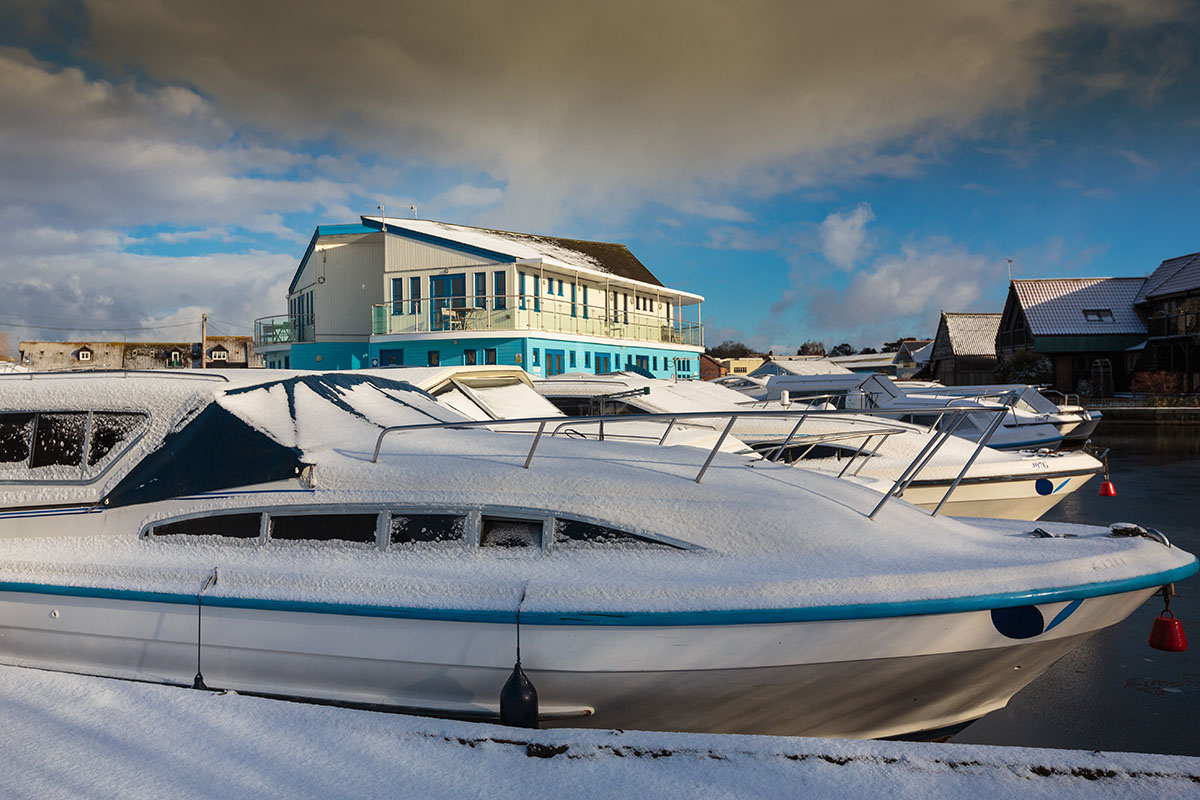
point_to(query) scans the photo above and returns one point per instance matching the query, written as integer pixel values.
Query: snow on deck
(73, 736)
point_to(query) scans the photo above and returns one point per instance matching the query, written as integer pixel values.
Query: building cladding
(964, 349)
(422, 292)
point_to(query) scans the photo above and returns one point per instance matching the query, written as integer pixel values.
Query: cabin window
(502, 532)
(110, 430)
(58, 440)
(15, 432)
(418, 528)
(233, 526)
(573, 533)
(324, 527)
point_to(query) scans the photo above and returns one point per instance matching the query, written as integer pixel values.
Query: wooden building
(964, 350)
(220, 352)
(1087, 328)
(1169, 300)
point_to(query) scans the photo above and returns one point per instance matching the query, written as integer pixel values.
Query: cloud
(1138, 160)
(673, 101)
(844, 236)
(467, 196)
(902, 293)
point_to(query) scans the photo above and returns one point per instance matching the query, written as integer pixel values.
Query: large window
(499, 290)
(397, 295)
(414, 295)
(481, 290)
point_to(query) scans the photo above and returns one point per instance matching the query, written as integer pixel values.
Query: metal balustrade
(285, 329)
(569, 427)
(547, 313)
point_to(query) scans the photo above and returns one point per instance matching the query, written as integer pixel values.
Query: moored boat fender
(519, 700)
(1167, 631)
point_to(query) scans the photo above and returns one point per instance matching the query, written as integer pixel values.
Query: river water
(1115, 692)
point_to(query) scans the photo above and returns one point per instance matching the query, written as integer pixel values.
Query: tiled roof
(1173, 275)
(1055, 307)
(972, 334)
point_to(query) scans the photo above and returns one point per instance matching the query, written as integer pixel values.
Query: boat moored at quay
(261, 530)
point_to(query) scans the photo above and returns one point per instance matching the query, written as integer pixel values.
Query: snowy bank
(72, 736)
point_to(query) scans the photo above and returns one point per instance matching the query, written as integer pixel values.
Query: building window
(434, 358)
(489, 355)
(537, 294)
(499, 290)
(573, 301)
(535, 357)
(625, 308)
(397, 296)
(219, 354)
(560, 287)
(175, 358)
(470, 358)
(585, 302)
(521, 290)
(654, 361)
(587, 359)
(1098, 314)
(571, 359)
(481, 290)
(414, 295)
(85, 355)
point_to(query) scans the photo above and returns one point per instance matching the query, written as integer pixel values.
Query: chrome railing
(548, 313)
(568, 425)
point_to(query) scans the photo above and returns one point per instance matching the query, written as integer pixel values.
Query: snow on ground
(72, 736)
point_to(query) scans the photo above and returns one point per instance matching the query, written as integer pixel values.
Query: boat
(1033, 406)
(346, 538)
(1022, 484)
(1022, 429)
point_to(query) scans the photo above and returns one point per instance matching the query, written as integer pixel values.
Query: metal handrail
(910, 472)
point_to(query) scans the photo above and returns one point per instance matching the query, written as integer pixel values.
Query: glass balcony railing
(546, 314)
(285, 330)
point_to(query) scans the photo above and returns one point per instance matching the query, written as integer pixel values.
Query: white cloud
(467, 196)
(844, 236)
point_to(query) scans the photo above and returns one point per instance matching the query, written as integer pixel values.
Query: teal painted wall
(333, 355)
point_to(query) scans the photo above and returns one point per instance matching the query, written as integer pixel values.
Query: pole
(204, 341)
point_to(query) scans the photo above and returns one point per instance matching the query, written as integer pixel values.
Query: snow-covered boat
(242, 530)
(1022, 484)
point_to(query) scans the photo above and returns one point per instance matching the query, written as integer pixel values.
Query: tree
(843, 349)
(1025, 366)
(811, 348)
(894, 347)
(867, 351)
(729, 349)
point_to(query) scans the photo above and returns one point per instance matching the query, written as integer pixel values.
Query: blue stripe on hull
(641, 618)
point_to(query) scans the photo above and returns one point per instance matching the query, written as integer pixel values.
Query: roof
(865, 360)
(972, 334)
(1174, 275)
(603, 257)
(1056, 307)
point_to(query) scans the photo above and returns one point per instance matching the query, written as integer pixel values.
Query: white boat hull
(1025, 499)
(864, 677)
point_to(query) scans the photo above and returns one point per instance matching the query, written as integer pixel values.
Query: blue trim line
(643, 618)
(52, 512)
(325, 230)
(427, 238)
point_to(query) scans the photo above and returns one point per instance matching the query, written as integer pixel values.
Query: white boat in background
(346, 537)
(1002, 484)
(1072, 420)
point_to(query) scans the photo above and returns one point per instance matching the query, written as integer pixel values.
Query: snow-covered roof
(1080, 306)
(803, 365)
(1174, 275)
(602, 258)
(864, 360)
(972, 334)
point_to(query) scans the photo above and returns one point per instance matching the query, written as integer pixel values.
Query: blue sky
(835, 172)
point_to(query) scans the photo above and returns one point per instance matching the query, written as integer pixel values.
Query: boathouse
(1086, 327)
(964, 349)
(1170, 302)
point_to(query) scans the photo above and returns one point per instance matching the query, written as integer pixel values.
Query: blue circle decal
(1044, 486)
(1021, 622)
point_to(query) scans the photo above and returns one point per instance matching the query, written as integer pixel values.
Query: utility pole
(204, 341)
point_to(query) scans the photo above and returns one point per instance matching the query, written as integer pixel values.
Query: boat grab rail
(910, 472)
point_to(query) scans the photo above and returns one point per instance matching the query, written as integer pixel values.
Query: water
(1115, 692)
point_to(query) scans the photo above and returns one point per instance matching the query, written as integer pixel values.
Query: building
(222, 352)
(797, 365)
(964, 350)
(426, 293)
(741, 366)
(1087, 328)
(1169, 301)
(711, 368)
(867, 363)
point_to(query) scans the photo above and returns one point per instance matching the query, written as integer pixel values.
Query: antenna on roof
(383, 211)
(1009, 260)
(414, 210)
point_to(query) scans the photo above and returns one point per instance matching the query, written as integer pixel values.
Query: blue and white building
(423, 293)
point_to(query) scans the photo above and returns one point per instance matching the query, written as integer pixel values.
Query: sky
(830, 171)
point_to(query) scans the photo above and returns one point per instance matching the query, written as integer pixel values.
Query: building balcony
(1167, 326)
(284, 329)
(540, 315)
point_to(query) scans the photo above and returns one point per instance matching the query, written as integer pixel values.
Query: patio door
(602, 363)
(554, 362)
(446, 293)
